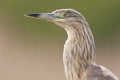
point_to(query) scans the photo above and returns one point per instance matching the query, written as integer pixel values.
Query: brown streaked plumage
(79, 49)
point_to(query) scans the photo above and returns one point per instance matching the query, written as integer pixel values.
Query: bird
(79, 52)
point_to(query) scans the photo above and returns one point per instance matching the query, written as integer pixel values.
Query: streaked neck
(79, 50)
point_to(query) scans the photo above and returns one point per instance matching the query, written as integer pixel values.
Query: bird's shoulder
(98, 72)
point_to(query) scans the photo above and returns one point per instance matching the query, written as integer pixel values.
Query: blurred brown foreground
(24, 58)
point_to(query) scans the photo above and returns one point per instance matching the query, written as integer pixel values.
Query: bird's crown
(67, 13)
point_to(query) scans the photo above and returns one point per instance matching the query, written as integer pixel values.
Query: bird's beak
(46, 16)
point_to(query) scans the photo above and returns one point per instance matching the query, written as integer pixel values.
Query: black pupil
(69, 14)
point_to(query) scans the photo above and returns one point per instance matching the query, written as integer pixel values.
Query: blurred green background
(31, 49)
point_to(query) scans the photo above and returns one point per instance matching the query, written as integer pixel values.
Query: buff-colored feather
(79, 49)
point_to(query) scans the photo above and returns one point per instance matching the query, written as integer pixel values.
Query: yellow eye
(66, 15)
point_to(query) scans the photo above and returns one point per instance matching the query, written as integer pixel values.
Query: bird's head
(61, 17)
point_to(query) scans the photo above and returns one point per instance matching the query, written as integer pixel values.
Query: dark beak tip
(31, 15)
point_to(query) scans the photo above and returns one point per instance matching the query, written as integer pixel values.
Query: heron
(79, 49)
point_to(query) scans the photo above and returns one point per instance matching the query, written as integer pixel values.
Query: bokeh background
(31, 49)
